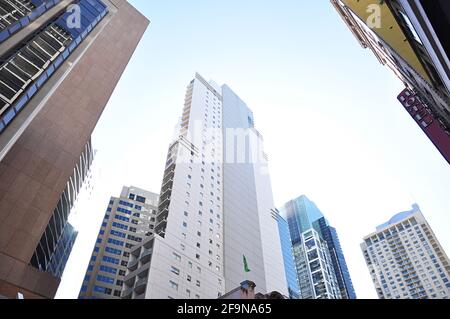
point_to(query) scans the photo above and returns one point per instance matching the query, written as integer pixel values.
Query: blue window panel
(25, 21)
(102, 232)
(32, 90)
(15, 27)
(87, 278)
(116, 242)
(97, 249)
(138, 207)
(86, 11)
(50, 70)
(99, 289)
(4, 35)
(42, 79)
(107, 269)
(9, 116)
(93, 258)
(58, 61)
(109, 209)
(2, 126)
(72, 46)
(90, 267)
(20, 103)
(111, 260)
(104, 224)
(99, 240)
(106, 279)
(83, 288)
(113, 251)
(117, 233)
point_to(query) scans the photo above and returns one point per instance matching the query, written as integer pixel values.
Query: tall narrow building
(321, 267)
(405, 259)
(128, 221)
(288, 258)
(216, 225)
(59, 63)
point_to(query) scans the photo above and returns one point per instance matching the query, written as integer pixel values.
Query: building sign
(432, 127)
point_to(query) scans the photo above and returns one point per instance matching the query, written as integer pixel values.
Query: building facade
(288, 258)
(201, 232)
(54, 248)
(410, 37)
(405, 259)
(59, 63)
(128, 221)
(321, 267)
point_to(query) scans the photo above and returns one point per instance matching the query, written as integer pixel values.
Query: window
(197, 283)
(189, 278)
(174, 270)
(105, 279)
(111, 260)
(173, 285)
(108, 269)
(188, 292)
(176, 257)
(140, 199)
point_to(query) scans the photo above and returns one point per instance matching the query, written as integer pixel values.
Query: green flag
(246, 269)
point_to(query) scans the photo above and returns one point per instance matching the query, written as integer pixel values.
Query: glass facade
(62, 252)
(17, 14)
(329, 234)
(56, 242)
(27, 69)
(321, 268)
(288, 258)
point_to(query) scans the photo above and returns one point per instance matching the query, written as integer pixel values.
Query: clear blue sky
(328, 111)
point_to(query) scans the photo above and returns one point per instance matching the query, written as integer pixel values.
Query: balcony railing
(132, 266)
(127, 293)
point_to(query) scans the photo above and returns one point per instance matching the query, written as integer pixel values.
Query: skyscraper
(405, 259)
(288, 258)
(321, 267)
(59, 63)
(129, 219)
(216, 225)
(411, 38)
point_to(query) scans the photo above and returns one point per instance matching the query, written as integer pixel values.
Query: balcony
(126, 294)
(164, 203)
(162, 215)
(161, 226)
(132, 265)
(141, 283)
(167, 185)
(146, 256)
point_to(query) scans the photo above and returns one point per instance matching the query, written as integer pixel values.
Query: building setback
(55, 80)
(214, 209)
(321, 267)
(411, 38)
(128, 221)
(405, 259)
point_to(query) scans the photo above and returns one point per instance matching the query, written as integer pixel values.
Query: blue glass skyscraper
(329, 234)
(288, 258)
(303, 216)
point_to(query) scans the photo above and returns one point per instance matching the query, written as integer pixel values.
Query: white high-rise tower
(216, 217)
